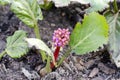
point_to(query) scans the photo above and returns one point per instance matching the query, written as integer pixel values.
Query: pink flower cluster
(61, 37)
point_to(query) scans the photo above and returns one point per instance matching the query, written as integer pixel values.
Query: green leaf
(28, 11)
(16, 46)
(95, 5)
(39, 44)
(114, 36)
(46, 5)
(4, 2)
(90, 35)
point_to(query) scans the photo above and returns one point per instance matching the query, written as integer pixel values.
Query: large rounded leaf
(90, 35)
(28, 11)
(114, 37)
(16, 46)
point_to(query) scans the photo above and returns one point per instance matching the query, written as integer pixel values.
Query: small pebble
(52, 24)
(89, 63)
(79, 67)
(105, 69)
(94, 72)
(63, 14)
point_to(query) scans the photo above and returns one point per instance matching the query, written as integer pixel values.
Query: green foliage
(95, 5)
(90, 35)
(46, 6)
(114, 36)
(4, 2)
(86, 37)
(28, 11)
(39, 44)
(16, 46)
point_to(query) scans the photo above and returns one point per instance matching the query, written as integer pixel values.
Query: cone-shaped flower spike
(60, 39)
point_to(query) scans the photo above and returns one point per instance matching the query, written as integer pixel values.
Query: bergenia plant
(29, 12)
(60, 39)
(112, 15)
(86, 37)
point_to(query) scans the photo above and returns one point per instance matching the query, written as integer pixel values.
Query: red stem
(56, 53)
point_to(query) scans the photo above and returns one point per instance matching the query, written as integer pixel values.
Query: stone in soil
(79, 66)
(98, 78)
(105, 69)
(94, 72)
(89, 63)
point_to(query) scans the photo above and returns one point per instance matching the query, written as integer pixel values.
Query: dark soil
(93, 66)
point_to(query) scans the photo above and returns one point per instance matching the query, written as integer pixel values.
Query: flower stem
(56, 53)
(115, 6)
(2, 54)
(64, 56)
